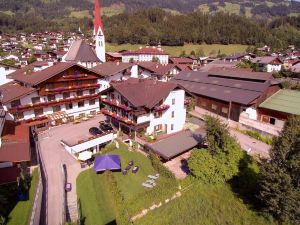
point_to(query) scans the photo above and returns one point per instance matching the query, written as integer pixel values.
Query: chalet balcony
(113, 102)
(161, 108)
(39, 105)
(119, 118)
(72, 88)
(75, 76)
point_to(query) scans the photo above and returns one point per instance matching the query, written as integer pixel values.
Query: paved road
(54, 155)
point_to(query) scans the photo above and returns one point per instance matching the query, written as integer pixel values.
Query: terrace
(72, 88)
(117, 117)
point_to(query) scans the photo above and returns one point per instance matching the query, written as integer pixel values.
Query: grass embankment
(256, 135)
(188, 48)
(22, 211)
(204, 204)
(97, 201)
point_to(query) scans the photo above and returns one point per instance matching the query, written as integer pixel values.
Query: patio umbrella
(83, 156)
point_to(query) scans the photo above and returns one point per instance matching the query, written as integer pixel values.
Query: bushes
(159, 167)
(122, 217)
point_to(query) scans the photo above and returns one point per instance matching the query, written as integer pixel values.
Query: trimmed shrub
(159, 167)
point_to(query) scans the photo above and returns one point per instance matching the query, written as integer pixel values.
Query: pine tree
(280, 176)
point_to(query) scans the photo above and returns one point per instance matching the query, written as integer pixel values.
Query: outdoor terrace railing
(161, 108)
(117, 117)
(24, 108)
(113, 102)
(72, 88)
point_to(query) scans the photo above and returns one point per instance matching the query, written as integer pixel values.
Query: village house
(5, 70)
(145, 105)
(54, 95)
(268, 64)
(147, 54)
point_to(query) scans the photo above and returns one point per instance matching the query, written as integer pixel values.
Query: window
(49, 86)
(56, 108)
(66, 95)
(35, 100)
(173, 101)
(80, 104)
(92, 102)
(272, 121)
(38, 112)
(203, 103)
(51, 98)
(78, 83)
(157, 115)
(214, 107)
(6, 68)
(65, 84)
(224, 110)
(112, 96)
(173, 114)
(79, 93)
(158, 127)
(19, 116)
(69, 106)
(172, 126)
(15, 103)
(92, 92)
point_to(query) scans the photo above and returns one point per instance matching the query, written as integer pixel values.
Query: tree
(31, 59)
(220, 161)
(279, 186)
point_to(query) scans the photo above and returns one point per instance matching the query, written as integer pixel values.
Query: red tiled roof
(15, 143)
(36, 78)
(111, 68)
(9, 175)
(181, 60)
(143, 92)
(12, 91)
(157, 68)
(146, 51)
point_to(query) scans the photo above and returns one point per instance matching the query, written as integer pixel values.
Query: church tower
(99, 33)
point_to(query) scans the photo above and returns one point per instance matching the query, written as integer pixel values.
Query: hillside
(84, 8)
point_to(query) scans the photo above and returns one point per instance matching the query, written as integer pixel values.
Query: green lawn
(204, 204)
(231, 8)
(22, 211)
(97, 202)
(177, 50)
(80, 14)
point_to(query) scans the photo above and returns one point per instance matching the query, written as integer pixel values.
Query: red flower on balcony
(113, 102)
(188, 101)
(161, 108)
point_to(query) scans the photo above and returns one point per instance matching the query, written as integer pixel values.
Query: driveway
(54, 156)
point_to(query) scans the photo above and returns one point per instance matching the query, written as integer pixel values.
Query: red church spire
(97, 22)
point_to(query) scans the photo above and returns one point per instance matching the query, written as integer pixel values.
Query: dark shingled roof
(143, 92)
(9, 175)
(176, 144)
(12, 91)
(81, 52)
(222, 88)
(111, 68)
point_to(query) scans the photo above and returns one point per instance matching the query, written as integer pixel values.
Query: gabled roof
(157, 68)
(81, 52)
(12, 91)
(181, 60)
(143, 92)
(266, 59)
(111, 68)
(287, 101)
(221, 88)
(35, 78)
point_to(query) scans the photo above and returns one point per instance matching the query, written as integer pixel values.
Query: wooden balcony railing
(161, 108)
(117, 117)
(113, 102)
(72, 88)
(39, 105)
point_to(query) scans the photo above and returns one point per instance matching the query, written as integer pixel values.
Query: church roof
(97, 20)
(81, 52)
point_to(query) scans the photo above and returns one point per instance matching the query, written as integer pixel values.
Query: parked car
(105, 126)
(95, 131)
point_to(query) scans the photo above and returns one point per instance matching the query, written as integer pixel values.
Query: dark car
(95, 131)
(105, 127)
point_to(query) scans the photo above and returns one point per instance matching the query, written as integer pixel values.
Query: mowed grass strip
(188, 48)
(20, 215)
(96, 204)
(204, 204)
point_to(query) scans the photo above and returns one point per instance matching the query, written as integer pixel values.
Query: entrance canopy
(107, 162)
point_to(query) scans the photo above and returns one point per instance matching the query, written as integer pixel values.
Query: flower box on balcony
(161, 108)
